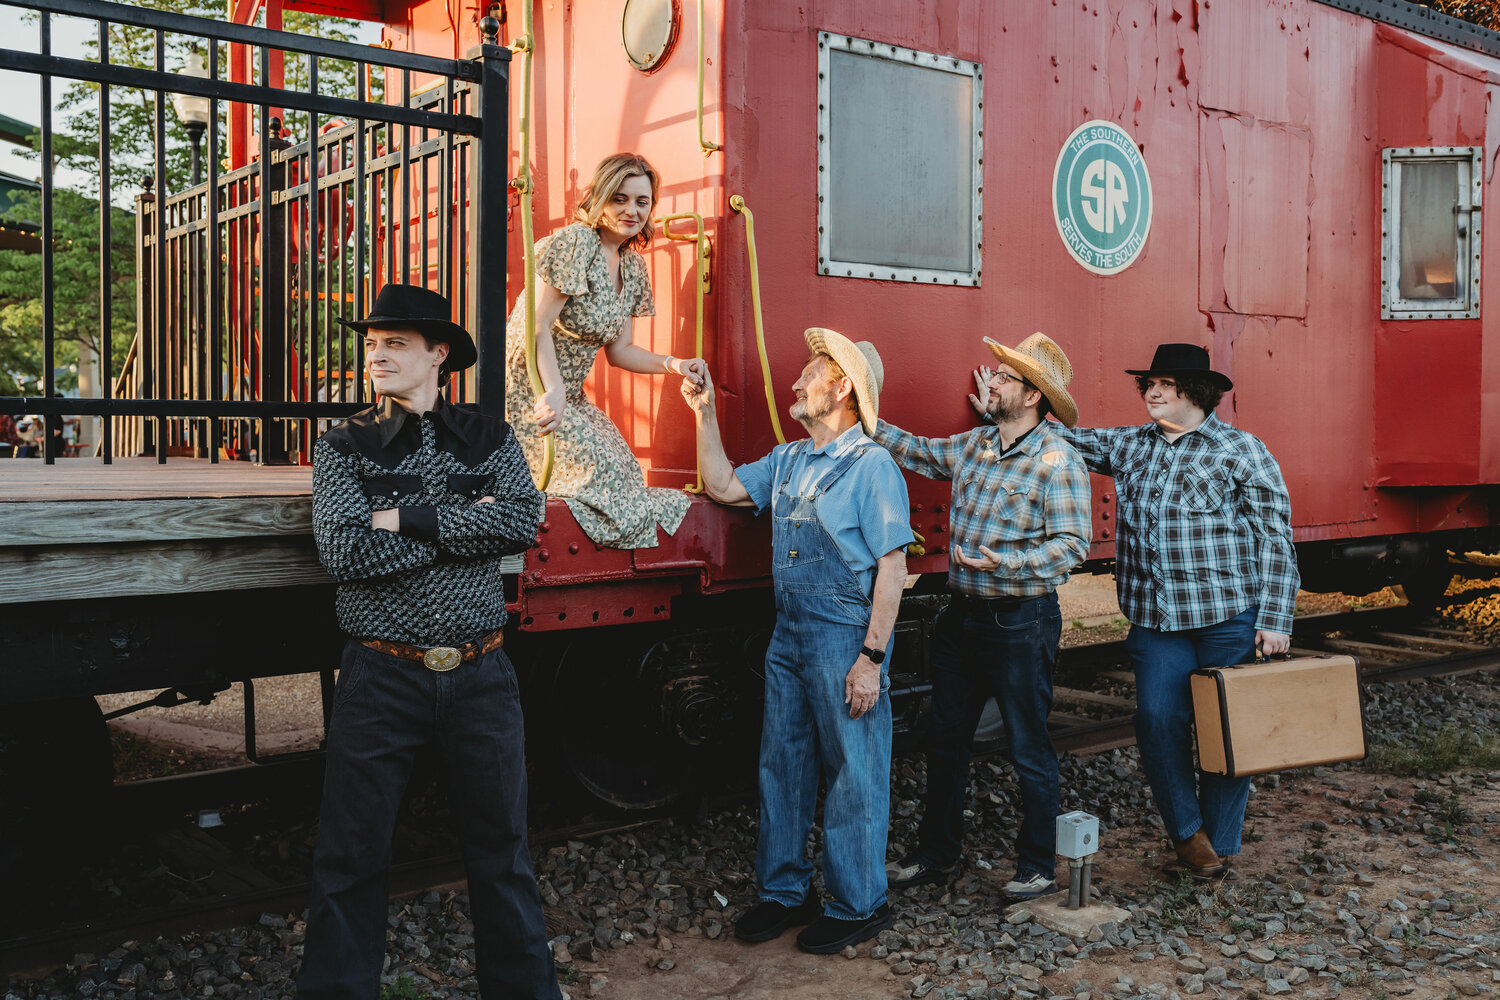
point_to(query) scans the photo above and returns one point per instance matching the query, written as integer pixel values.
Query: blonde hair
(611, 173)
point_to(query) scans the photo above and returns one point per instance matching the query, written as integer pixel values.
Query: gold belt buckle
(442, 658)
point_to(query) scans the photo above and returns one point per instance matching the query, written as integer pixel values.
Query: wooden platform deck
(31, 480)
(83, 529)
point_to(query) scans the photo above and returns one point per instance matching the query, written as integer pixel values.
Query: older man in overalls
(839, 538)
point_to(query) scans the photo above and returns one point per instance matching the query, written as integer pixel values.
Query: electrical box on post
(1077, 835)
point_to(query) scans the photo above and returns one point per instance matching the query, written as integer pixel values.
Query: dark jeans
(1188, 801)
(1010, 654)
(385, 709)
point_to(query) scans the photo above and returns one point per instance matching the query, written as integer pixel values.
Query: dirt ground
(1279, 840)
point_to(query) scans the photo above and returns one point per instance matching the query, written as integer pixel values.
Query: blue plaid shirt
(1029, 505)
(1205, 527)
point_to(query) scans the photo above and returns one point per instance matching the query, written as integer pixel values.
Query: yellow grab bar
(700, 239)
(737, 202)
(522, 184)
(708, 146)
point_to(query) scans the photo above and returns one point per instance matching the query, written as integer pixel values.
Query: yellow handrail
(524, 45)
(708, 146)
(700, 255)
(737, 202)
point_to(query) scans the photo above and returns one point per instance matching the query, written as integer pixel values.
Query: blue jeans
(1010, 654)
(1188, 801)
(385, 709)
(807, 730)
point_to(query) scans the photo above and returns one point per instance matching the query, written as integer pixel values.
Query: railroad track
(1389, 650)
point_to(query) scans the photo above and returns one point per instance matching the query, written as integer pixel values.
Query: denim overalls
(823, 614)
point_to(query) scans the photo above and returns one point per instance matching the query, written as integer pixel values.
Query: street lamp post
(193, 111)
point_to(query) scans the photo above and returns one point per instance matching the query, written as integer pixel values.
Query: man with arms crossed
(839, 535)
(1020, 524)
(415, 501)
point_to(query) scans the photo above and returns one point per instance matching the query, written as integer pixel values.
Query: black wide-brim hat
(412, 307)
(1183, 359)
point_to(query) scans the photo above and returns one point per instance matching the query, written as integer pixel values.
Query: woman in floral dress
(591, 282)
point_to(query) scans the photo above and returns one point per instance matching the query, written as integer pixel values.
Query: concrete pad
(1052, 913)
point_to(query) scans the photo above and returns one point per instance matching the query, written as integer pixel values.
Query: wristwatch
(877, 656)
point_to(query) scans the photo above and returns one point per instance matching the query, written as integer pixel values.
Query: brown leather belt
(439, 658)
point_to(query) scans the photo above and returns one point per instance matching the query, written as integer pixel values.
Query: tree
(75, 264)
(132, 131)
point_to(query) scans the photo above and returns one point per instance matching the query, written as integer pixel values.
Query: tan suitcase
(1279, 714)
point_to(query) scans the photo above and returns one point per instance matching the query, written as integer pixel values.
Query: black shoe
(830, 935)
(909, 872)
(769, 919)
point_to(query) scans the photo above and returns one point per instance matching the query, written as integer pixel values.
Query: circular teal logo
(1101, 197)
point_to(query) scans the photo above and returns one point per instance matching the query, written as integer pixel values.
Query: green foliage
(132, 125)
(76, 317)
(403, 988)
(1451, 748)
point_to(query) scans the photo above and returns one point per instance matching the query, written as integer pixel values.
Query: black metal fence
(240, 280)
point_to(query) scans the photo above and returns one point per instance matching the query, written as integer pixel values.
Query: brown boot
(1197, 859)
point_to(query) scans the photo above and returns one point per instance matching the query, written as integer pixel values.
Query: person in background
(10, 439)
(838, 535)
(1207, 576)
(1020, 524)
(591, 283)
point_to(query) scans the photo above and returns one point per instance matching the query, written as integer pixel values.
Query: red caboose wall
(1262, 124)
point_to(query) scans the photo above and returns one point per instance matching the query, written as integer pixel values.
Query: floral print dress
(594, 469)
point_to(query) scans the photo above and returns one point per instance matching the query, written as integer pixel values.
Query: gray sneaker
(1031, 887)
(908, 872)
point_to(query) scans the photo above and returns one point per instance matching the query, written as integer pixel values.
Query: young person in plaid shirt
(1207, 576)
(1020, 523)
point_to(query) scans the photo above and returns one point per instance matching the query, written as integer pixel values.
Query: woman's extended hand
(548, 411)
(690, 368)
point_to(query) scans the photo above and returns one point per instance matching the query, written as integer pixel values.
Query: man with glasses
(1207, 576)
(1020, 523)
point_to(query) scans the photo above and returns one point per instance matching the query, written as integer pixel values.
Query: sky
(21, 93)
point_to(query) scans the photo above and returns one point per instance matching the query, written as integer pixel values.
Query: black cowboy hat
(1183, 359)
(413, 307)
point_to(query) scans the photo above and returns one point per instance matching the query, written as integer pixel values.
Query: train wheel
(608, 727)
(55, 771)
(1424, 590)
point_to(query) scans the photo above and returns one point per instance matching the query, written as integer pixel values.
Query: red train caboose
(1309, 207)
(1296, 184)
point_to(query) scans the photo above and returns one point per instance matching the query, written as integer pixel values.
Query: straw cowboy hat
(1042, 363)
(413, 307)
(861, 362)
(1182, 359)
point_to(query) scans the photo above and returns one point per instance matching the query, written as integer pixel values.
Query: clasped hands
(547, 411)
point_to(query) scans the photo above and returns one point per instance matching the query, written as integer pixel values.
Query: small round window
(649, 30)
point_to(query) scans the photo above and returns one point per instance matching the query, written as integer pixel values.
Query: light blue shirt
(866, 513)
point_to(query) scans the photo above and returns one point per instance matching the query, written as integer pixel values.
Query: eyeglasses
(1005, 377)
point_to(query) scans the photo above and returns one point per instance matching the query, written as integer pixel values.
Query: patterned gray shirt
(437, 580)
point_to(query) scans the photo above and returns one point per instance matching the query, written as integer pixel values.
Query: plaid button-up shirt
(1029, 505)
(1205, 526)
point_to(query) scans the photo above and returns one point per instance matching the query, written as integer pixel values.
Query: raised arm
(719, 479)
(349, 548)
(934, 458)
